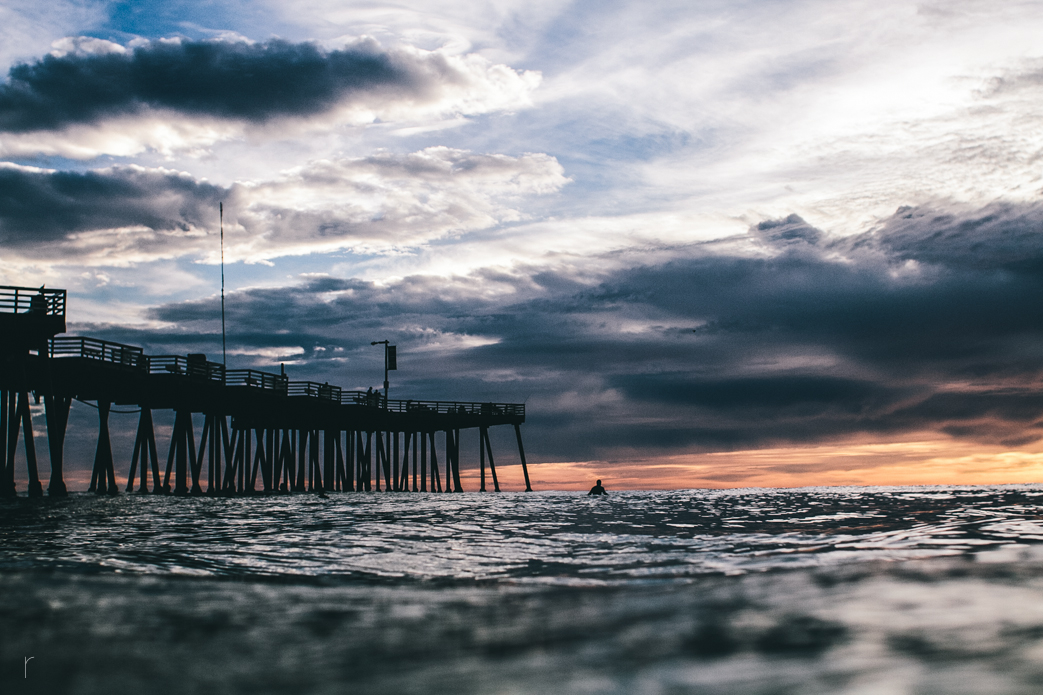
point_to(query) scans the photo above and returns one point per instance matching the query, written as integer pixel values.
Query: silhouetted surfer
(597, 490)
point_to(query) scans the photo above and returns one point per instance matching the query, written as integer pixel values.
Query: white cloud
(501, 30)
(160, 131)
(85, 45)
(840, 112)
(28, 27)
(384, 203)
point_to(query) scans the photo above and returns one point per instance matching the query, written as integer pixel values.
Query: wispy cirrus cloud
(129, 214)
(28, 28)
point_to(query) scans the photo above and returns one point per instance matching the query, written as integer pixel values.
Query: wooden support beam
(367, 462)
(311, 466)
(388, 460)
(15, 415)
(349, 455)
(449, 487)
(284, 467)
(302, 461)
(423, 461)
(436, 478)
(229, 454)
(268, 462)
(449, 461)
(291, 463)
(213, 475)
(56, 412)
(381, 458)
(244, 463)
(245, 482)
(314, 451)
(195, 462)
(35, 488)
(394, 458)
(278, 455)
(492, 463)
(360, 454)
(233, 457)
(178, 456)
(93, 487)
(179, 447)
(10, 419)
(213, 455)
(481, 456)
(140, 452)
(341, 477)
(416, 436)
(258, 458)
(403, 481)
(103, 477)
(212, 435)
(521, 453)
(153, 452)
(328, 458)
(242, 459)
(384, 460)
(170, 461)
(197, 458)
(356, 457)
(457, 487)
(6, 487)
(6, 477)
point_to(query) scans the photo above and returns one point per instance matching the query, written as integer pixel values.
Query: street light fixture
(390, 362)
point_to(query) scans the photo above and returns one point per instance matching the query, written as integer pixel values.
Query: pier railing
(95, 349)
(256, 379)
(187, 367)
(456, 407)
(197, 368)
(314, 390)
(376, 399)
(373, 399)
(30, 300)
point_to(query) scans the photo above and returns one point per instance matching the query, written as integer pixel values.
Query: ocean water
(822, 590)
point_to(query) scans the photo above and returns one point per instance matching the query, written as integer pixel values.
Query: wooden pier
(261, 432)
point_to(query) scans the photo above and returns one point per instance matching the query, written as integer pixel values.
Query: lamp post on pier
(390, 362)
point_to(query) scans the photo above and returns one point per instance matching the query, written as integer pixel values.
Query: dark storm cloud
(250, 82)
(773, 393)
(45, 206)
(808, 340)
(1000, 236)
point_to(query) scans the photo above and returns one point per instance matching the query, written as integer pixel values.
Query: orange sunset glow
(914, 462)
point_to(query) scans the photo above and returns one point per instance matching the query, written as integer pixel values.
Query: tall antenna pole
(224, 344)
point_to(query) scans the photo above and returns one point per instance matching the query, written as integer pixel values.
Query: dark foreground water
(833, 590)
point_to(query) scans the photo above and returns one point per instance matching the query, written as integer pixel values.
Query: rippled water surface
(831, 590)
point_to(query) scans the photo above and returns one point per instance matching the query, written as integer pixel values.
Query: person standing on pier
(597, 489)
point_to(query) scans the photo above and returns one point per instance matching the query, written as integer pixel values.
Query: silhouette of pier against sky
(261, 432)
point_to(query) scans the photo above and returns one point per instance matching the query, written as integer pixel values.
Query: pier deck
(261, 431)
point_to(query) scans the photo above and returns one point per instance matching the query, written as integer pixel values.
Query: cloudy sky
(734, 243)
